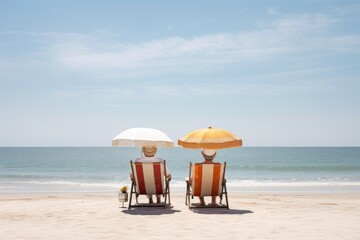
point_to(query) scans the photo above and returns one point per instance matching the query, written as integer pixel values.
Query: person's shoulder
(209, 162)
(139, 160)
(157, 159)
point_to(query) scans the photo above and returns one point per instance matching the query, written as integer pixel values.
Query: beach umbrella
(142, 137)
(210, 138)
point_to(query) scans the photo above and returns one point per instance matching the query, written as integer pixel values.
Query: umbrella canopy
(142, 137)
(210, 138)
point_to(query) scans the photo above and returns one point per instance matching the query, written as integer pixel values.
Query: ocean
(249, 169)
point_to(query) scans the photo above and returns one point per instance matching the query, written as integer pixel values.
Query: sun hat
(149, 151)
(209, 152)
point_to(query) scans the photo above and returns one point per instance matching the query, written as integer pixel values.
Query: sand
(100, 216)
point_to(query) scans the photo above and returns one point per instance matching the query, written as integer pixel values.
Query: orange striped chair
(206, 180)
(149, 178)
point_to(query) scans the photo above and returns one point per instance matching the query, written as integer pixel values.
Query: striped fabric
(149, 177)
(207, 179)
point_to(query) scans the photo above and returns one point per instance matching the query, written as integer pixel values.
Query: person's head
(149, 151)
(208, 154)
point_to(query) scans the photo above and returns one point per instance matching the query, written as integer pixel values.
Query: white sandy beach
(99, 216)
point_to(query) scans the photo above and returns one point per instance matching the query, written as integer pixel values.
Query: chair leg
(131, 193)
(169, 192)
(189, 196)
(189, 200)
(226, 197)
(186, 193)
(222, 192)
(166, 194)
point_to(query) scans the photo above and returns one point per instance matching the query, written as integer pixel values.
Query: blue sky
(275, 73)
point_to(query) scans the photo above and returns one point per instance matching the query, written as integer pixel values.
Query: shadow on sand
(220, 211)
(150, 211)
(170, 210)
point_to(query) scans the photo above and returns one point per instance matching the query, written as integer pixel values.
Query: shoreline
(114, 194)
(245, 187)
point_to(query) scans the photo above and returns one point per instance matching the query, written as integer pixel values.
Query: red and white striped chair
(206, 180)
(149, 178)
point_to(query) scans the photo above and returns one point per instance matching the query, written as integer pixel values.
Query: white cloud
(345, 42)
(347, 10)
(161, 91)
(106, 58)
(211, 49)
(272, 10)
(280, 37)
(303, 23)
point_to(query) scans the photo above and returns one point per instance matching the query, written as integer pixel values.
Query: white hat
(209, 152)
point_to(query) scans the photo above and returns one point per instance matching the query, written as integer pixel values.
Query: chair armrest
(188, 181)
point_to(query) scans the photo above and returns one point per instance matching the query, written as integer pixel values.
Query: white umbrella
(142, 137)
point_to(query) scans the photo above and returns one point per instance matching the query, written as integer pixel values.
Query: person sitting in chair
(149, 156)
(208, 155)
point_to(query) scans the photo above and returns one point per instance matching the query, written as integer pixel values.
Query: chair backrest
(207, 178)
(149, 177)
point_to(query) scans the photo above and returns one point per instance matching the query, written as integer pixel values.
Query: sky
(274, 73)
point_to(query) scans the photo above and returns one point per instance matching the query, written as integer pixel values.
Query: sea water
(249, 169)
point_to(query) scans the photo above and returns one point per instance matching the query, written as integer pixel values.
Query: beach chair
(149, 178)
(206, 180)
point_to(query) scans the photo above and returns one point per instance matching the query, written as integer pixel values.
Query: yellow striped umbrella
(210, 138)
